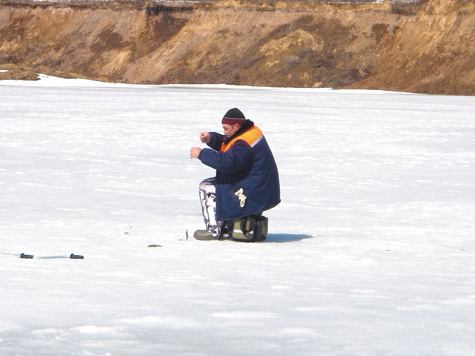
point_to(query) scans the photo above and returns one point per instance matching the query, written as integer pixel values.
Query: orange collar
(251, 137)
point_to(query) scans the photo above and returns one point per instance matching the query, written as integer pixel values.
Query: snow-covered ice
(371, 251)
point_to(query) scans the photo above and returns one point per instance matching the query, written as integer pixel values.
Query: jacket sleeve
(236, 159)
(216, 141)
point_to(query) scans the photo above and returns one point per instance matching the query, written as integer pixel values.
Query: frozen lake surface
(371, 251)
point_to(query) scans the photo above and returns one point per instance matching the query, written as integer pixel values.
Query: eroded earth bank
(426, 46)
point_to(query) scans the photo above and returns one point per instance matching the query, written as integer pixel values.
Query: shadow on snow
(286, 237)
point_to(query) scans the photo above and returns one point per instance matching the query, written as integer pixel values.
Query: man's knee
(208, 185)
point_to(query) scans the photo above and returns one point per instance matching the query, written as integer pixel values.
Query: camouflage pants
(207, 193)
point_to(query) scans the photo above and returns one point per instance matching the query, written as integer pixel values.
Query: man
(246, 182)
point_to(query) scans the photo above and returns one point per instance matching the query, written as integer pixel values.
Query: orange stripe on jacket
(251, 137)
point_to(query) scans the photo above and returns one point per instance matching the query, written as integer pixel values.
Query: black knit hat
(234, 116)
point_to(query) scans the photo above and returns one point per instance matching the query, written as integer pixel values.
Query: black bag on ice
(250, 228)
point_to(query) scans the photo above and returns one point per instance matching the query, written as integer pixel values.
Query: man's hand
(205, 137)
(195, 152)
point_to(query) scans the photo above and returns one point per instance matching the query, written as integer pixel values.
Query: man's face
(230, 130)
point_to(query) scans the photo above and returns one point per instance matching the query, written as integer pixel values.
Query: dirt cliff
(426, 46)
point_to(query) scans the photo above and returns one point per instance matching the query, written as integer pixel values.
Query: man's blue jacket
(243, 161)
